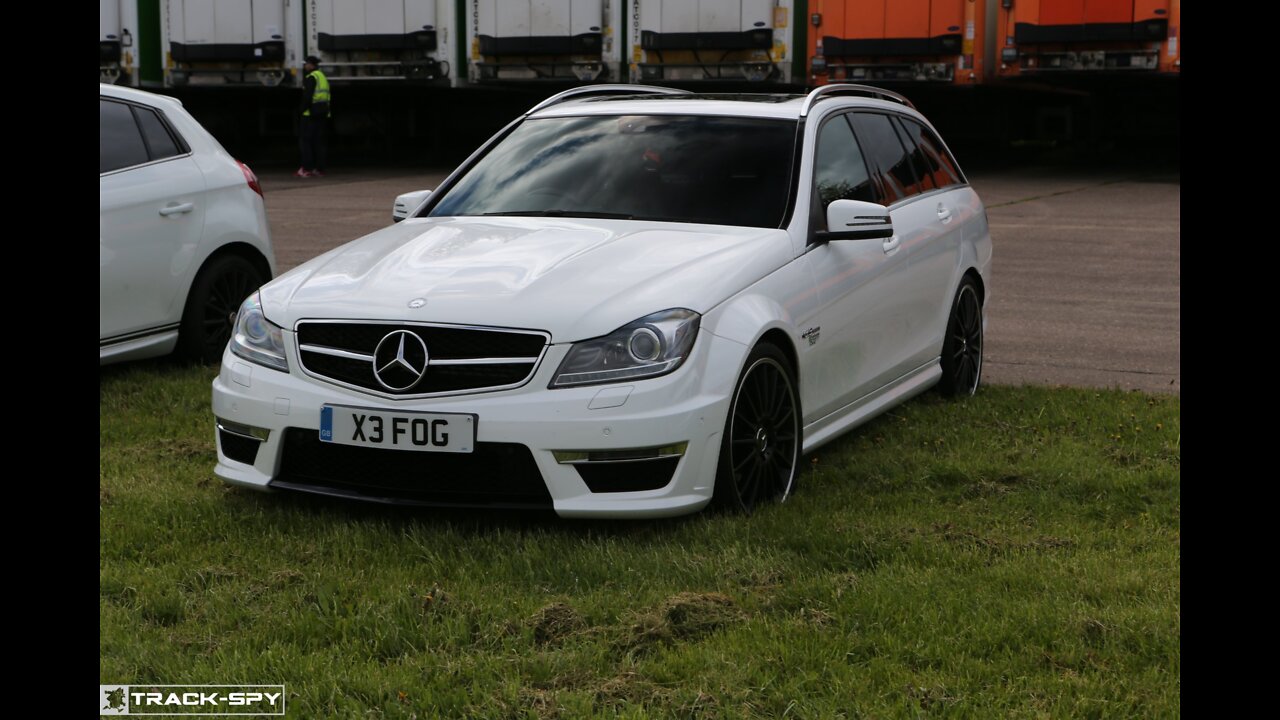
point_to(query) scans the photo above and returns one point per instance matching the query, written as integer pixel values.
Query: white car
(183, 236)
(630, 302)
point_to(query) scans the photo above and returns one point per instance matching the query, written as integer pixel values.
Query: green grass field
(1013, 555)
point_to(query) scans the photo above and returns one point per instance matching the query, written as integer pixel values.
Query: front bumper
(687, 406)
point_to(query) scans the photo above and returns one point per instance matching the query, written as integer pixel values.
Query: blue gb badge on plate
(326, 424)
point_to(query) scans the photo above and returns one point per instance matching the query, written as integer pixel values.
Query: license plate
(424, 432)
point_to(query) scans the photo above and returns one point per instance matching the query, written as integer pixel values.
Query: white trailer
(712, 40)
(388, 40)
(230, 42)
(117, 49)
(537, 40)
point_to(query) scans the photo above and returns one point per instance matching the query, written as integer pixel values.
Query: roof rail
(850, 89)
(586, 90)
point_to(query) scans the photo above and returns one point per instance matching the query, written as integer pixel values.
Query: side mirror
(856, 220)
(407, 204)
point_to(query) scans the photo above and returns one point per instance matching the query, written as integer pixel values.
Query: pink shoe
(302, 173)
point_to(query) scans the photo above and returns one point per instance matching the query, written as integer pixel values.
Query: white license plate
(425, 432)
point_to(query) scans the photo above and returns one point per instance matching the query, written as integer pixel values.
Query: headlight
(257, 339)
(651, 346)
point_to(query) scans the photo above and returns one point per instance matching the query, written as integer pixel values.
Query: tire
(962, 348)
(220, 287)
(760, 449)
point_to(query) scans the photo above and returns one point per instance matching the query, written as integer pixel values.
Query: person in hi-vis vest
(315, 119)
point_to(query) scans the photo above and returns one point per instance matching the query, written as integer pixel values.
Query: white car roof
(142, 96)
(780, 107)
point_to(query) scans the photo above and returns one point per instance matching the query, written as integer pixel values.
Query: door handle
(944, 214)
(891, 245)
(177, 209)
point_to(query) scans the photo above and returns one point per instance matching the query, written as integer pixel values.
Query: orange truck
(934, 41)
(1041, 37)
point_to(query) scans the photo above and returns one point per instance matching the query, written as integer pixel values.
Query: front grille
(495, 475)
(460, 359)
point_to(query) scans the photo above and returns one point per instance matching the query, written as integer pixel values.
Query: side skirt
(160, 343)
(826, 429)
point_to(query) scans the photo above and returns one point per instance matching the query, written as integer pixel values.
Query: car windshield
(700, 169)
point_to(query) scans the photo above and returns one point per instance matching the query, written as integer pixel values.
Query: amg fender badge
(812, 335)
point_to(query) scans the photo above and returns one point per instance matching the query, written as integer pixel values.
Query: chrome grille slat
(335, 352)
(483, 361)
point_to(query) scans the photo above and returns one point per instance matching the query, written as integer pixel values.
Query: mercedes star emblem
(400, 360)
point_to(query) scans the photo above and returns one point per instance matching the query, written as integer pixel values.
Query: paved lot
(1086, 282)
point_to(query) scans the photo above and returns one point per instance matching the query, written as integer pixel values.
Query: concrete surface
(1086, 280)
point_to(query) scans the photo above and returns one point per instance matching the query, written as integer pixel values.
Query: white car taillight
(250, 178)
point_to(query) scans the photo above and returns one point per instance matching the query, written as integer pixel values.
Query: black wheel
(215, 295)
(962, 348)
(761, 444)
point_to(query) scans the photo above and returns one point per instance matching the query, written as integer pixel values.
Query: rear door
(945, 208)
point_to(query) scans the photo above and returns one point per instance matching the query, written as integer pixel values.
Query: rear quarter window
(161, 140)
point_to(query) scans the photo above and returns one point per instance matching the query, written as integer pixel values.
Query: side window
(159, 140)
(840, 173)
(919, 165)
(886, 152)
(119, 142)
(937, 160)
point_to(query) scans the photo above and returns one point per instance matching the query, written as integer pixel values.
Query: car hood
(575, 278)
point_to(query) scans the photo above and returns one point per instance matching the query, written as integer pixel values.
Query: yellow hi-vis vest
(321, 94)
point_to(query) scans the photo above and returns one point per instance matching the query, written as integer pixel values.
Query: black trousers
(312, 142)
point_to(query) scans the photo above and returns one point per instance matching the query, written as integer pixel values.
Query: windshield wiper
(565, 213)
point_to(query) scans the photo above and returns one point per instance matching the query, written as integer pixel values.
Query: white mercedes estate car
(631, 302)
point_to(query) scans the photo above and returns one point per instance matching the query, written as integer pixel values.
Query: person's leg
(321, 144)
(306, 144)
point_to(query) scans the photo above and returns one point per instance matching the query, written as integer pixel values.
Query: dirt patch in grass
(554, 623)
(967, 538)
(433, 599)
(542, 703)
(174, 449)
(814, 616)
(189, 449)
(681, 617)
(631, 689)
(1048, 542)
(934, 697)
(1093, 631)
(760, 579)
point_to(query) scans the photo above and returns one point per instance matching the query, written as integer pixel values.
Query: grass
(1016, 554)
